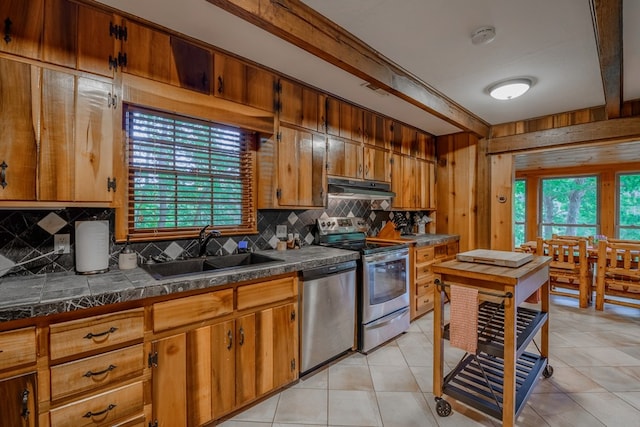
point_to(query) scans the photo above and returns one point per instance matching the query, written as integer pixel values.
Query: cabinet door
(425, 147)
(332, 116)
(374, 130)
(60, 35)
(408, 182)
(376, 164)
(57, 159)
(397, 181)
(344, 158)
(211, 372)
(169, 381)
(310, 115)
(18, 401)
(19, 109)
(96, 45)
(301, 168)
(22, 23)
(193, 66)
(425, 177)
(230, 78)
(290, 102)
(148, 52)
(260, 88)
(245, 358)
(357, 125)
(94, 139)
(285, 345)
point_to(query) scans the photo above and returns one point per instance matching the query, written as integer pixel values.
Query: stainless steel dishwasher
(328, 313)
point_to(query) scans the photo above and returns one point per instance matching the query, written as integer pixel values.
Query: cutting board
(501, 258)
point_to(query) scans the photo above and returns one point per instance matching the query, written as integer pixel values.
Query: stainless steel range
(383, 280)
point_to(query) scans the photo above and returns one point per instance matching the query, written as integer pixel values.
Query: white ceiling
(551, 41)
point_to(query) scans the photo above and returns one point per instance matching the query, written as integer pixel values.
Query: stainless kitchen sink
(185, 267)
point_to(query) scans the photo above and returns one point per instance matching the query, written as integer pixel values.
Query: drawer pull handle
(230, 336)
(97, 414)
(90, 374)
(91, 335)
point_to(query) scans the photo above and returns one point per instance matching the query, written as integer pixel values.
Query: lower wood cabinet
(206, 372)
(422, 286)
(18, 401)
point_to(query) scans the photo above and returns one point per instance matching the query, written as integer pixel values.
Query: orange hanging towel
(463, 327)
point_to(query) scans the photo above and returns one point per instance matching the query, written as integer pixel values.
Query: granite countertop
(430, 238)
(24, 297)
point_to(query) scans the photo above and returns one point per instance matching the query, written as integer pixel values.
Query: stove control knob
(322, 224)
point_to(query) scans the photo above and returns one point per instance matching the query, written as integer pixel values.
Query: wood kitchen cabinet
(147, 52)
(292, 168)
(344, 120)
(422, 287)
(299, 105)
(97, 41)
(60, 33)
(242, 83)
(22, 23)
(192, 66)
(345, 158)
(375, 130)
(18, 397)
(413, 181)
(376, 164)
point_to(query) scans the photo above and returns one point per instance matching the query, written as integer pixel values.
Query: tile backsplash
(28, 234)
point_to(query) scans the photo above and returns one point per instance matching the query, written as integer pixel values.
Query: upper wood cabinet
(193, 65)
(344, 120)
(376, 164)
(344, 158)
(413, 180)
(147, 52)
(21, 22)
(230, 78)
(60, 36)
(260, 88)
(298, 105)
(375, 130)
(19, 133)
(425, 146)
(97, 32)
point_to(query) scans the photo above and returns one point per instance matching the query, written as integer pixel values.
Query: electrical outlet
(62, 243)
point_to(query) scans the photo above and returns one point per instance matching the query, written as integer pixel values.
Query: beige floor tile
(303, 406)
(350, 377)
(260, 412)
(572, 380)
(631, 397)
(353, 408)
(424, 377)
(417, 355)
(559, 410)
(232, 423)
(461, 415)
(614, 379)
(389, 355)
(529, 418)
(393, 378)
(594, 356)
(354, 358)
(608, 408)
(402, 409)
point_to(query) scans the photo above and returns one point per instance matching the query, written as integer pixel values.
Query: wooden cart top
(492, 273)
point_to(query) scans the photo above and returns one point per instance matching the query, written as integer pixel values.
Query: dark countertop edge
(431, 239)
(141, 285)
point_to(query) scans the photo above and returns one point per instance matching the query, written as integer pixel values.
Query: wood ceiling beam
(607, 25)
(606, 130)
(303, 27)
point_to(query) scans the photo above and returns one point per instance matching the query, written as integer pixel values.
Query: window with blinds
(187, 173)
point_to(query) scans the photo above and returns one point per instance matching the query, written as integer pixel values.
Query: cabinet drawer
(452, 249)
(91, 372)
(267, 292)
(17, 347)
(424, 272)
(423, 288)
(424, 303)
(103, 409)
(95, 333)
(440, 251)
(426, 253)
(197, 308)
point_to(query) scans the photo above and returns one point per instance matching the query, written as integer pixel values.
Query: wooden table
(488, 279)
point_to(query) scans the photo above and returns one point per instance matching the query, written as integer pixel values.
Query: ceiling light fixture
(510, 89)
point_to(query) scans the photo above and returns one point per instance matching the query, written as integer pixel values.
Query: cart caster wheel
(443, 408)
(548, 371)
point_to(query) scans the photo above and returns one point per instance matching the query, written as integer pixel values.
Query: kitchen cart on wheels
(498, 378)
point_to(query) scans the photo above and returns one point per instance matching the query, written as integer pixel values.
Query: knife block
(389, 231)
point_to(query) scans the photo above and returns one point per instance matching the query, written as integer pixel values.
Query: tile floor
(596, 380)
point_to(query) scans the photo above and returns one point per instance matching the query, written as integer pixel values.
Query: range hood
(353, 189)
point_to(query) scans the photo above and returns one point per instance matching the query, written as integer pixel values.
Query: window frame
(248, 224)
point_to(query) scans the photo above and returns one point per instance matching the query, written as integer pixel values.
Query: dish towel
(463, 326)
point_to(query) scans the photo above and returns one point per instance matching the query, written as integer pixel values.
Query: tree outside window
(519, 212)
(628, 206)
(569, 206)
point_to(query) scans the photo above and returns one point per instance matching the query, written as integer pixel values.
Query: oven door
(385, 283)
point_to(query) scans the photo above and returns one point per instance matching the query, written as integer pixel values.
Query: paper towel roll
(92, 247)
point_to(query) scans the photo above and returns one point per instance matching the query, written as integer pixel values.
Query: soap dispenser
(127, 259)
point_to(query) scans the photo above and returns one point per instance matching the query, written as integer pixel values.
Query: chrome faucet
(204, 238)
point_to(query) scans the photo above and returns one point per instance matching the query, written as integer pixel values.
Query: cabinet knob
(3, 174)
(7, 30)
(230, 338)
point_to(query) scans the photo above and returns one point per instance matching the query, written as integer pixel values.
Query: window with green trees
(186, 173)
(628, 205)
(569, 206)
(519, 212)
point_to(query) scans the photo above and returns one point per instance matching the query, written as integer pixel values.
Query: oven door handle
(388, 319)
